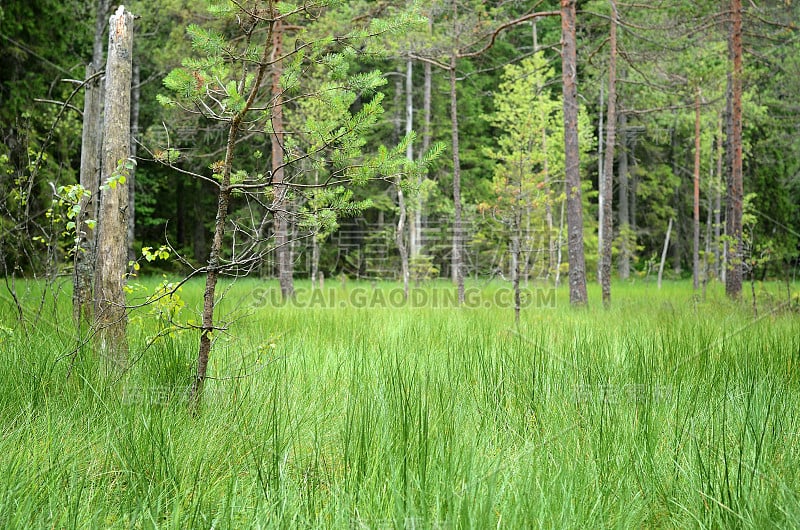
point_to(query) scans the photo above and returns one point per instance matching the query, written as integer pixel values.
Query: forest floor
(354, 410)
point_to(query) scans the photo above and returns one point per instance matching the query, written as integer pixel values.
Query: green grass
(666, 411)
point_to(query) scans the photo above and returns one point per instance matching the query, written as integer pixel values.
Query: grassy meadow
(666, 411)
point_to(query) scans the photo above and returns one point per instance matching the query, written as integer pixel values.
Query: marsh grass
(667, 411)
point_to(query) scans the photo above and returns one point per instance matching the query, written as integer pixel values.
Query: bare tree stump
(112, 249)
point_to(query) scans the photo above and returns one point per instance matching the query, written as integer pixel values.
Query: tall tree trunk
(607, 188)
(728, 171)
(624, 194)
(110, 313)
(135, 92)
(696, 204)
(427, 86)
(400, 237)
(718, 205)
(733, 285)
(280, 205)
(600, 186)
(577, 264)
(401, 203)
(91, 156)
(426, 139)
(413, 227)
(458, 236)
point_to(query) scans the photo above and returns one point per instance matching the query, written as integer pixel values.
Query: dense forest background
(673, 74)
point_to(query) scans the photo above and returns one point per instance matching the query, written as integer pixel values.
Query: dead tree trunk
(577, 264)
(458, 235)
(112, 249)
(280, 207)
(606, 176)
(90, 179)
(733, 284)
(91, 153)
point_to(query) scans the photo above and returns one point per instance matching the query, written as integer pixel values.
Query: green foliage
(341, 103)
(65, 213)
(120, 175)
(324, 208)
(528, 176)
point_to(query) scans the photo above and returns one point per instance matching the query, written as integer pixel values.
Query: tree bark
(401, 202)
(624, 194)
(110, 313)
(280, 205)
(413, 227)
(696, 203)
(733, 285)
(600, 186)
(91, 154)
(577, 264)
(458, 272)
(606, 176)
(426, 138)
(718, 206)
